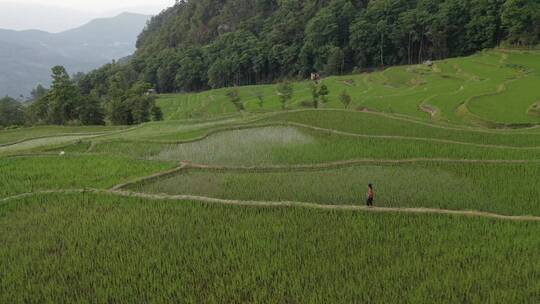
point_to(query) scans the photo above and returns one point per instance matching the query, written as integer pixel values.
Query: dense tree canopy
(201, 44)
(111, 94)
(521, 19)
(11, 112)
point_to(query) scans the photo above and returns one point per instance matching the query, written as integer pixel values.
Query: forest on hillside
(202, 44)
(216, 43)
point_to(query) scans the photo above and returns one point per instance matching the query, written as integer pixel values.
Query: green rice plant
(41, 143)
(495, 187)
(78, 147)
(246, 146)
(37, 173)
(101, 248)
(176, 130)
(290, 145)
(511, 103)
(398, 77)
(376, 124)
(528, 60)
(200, 105)
(21, 134)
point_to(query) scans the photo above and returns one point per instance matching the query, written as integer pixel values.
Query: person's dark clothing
(370, 196)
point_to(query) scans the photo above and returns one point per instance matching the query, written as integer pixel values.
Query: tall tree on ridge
(63, 97)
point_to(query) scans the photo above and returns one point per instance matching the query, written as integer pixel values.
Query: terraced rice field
(8, 137)
(492, 88)
(488, 187)
(268, 206)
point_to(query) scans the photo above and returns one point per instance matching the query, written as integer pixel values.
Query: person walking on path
(370, 195)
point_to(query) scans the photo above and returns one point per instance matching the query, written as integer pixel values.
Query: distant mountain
(19, 15)
(26, 57)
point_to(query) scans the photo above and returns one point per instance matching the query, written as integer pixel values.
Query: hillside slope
(214, 43)
(493, 89)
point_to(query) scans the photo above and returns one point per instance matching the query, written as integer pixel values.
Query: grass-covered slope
(493, 88)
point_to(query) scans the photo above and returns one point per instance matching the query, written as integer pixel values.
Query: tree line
(285, 92)
(68, 103)
(197, 45)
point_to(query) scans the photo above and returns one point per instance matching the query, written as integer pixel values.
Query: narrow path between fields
(288, 204)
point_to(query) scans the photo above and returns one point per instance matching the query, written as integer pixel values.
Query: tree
(326, 35)
(140, 104)
(192, 72)
(118, 112)
(37, 111)
(131, 106)
(234, 96)
(38, 92)
(167, 64)
(521, 19)
(323, 92)
(63, 98)
(336, 61)
(91, 111)
(322, 34)
(11, 112)
(157, 114)
(345, 99)
(285, 93)
(140, 107)
(484, 29)
(236, 59)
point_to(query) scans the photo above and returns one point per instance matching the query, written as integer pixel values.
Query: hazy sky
(96, 5)
(59, 15)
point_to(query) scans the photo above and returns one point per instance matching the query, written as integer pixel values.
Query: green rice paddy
(100, 248)
(95, 214)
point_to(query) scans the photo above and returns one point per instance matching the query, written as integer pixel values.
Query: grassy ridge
(110, 249)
